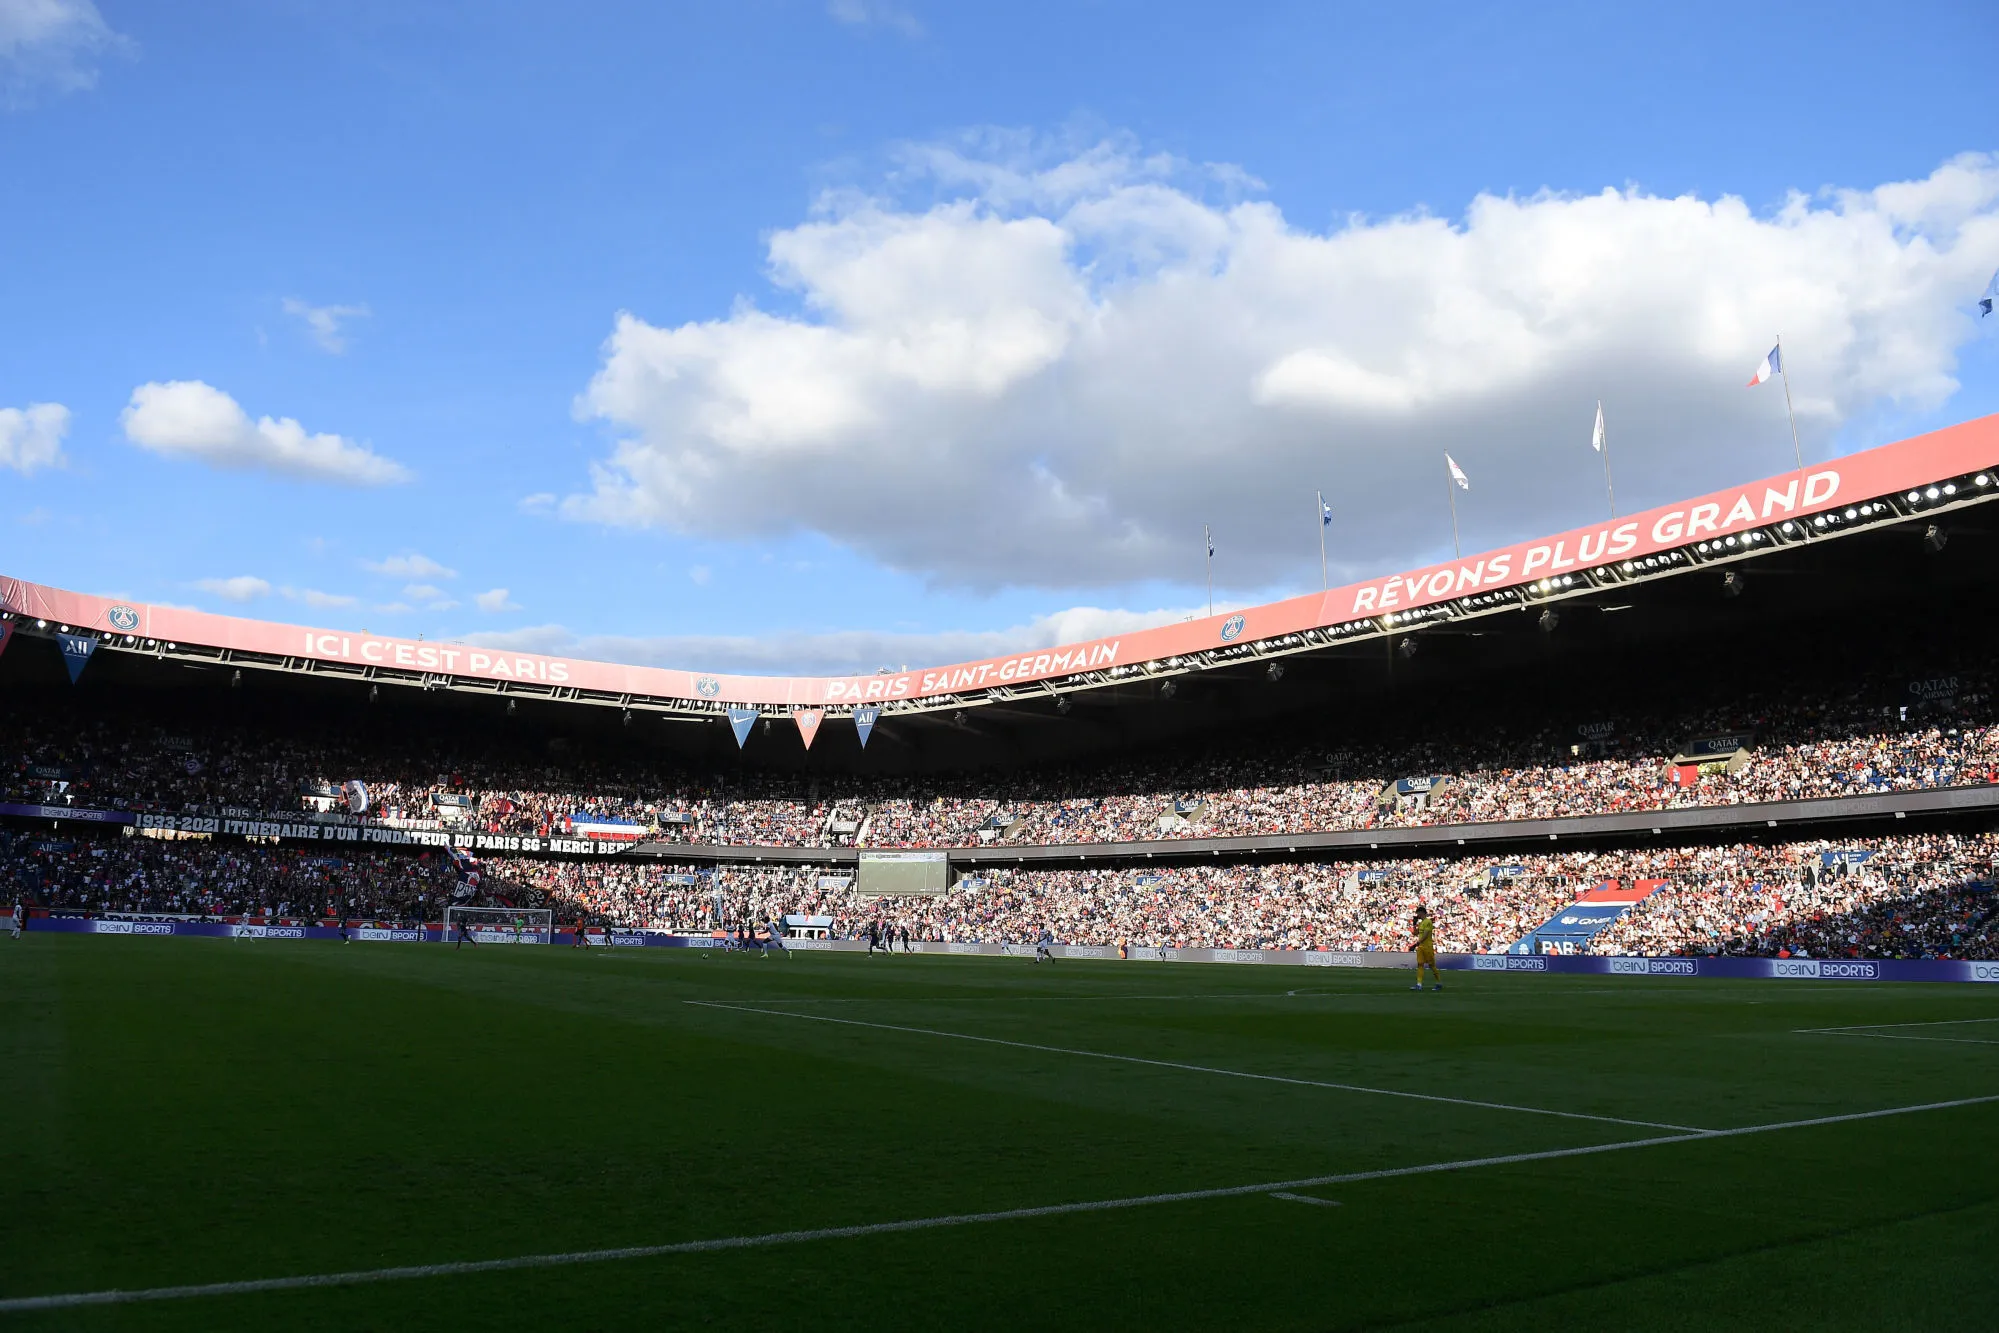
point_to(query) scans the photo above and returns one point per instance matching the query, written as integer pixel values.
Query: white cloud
(241, 588)
(189, 419)
(411, 566)
(318, 600)
(494, 601)
(1057, 373)
(541, 502)
(861, 13)
(837, 652)
(31, 437)
(700, 574)
(53, 45)
(323, 322)
(429, 596)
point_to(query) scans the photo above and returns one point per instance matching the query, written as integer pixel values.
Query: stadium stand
(1711, 719)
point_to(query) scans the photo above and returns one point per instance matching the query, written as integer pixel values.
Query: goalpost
(500, 925)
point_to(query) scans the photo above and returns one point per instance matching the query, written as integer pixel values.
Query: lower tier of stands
(1921, 895)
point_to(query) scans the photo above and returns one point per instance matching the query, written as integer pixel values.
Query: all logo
(123, 618)
(707, 686)
(1232, 628)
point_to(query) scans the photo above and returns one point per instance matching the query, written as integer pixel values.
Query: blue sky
(796, 336)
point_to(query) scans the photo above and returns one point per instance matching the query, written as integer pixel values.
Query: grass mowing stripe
(22, 1304)
(1200, 1069)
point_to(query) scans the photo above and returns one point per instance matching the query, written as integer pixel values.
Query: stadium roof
(1917, 481)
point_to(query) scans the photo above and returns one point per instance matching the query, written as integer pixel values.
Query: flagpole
(1785, 371)
(1320, 515)
(1608, 490)
(1208, 542)
(1450, 493)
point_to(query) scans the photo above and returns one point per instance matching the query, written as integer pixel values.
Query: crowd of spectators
(206, 879)
(1924, 895)
(1795, 744)
(1928, 895)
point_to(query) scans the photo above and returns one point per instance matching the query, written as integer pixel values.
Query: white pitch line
(1305, 1198)
(1901, 1036)
(362, 1277)
(1197, 1069)
(1926, 1023)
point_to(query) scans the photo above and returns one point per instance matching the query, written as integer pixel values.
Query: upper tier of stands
(1855, 732)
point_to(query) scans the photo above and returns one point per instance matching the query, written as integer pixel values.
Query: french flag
(1773, 364)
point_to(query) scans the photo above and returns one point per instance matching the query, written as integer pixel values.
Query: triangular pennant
(808, 720)
(864, 721)
(76, 651)
(741, 719)
(6, 634)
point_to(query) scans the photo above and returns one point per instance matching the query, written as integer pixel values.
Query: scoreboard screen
(902, 874)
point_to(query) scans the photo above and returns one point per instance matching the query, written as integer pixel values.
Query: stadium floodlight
(41, 624)
(1935, 538)
(1983, 479)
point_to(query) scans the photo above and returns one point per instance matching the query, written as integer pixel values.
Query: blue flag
(76, 651)
(741, 719)
(1991, 295)
(864, 721)
(1325, 514)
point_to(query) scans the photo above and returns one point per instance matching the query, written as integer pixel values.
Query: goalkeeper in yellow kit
(1426, 949)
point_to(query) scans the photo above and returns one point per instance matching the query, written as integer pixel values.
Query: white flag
(1457, 473)
(1596, 436)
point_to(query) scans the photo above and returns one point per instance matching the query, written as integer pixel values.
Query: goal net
(500, 925)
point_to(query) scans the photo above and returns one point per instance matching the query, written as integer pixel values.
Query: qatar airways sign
(1903, 466)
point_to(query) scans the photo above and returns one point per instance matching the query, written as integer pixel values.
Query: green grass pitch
(189, 1112)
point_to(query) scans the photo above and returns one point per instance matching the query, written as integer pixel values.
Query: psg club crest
(1232, 628)
(707, 686)
(123, 618)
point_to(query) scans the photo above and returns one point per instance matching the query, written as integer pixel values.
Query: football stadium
(893, 998)
(877, 664)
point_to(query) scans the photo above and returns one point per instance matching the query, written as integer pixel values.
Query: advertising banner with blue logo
(1495, 874)
(76, 651)
(1850, 857)
(865, 717)
(1374, 876)
(1593, 911)
(741, 719)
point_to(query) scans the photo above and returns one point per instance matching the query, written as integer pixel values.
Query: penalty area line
(1198, 1069)
(362, 1277)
